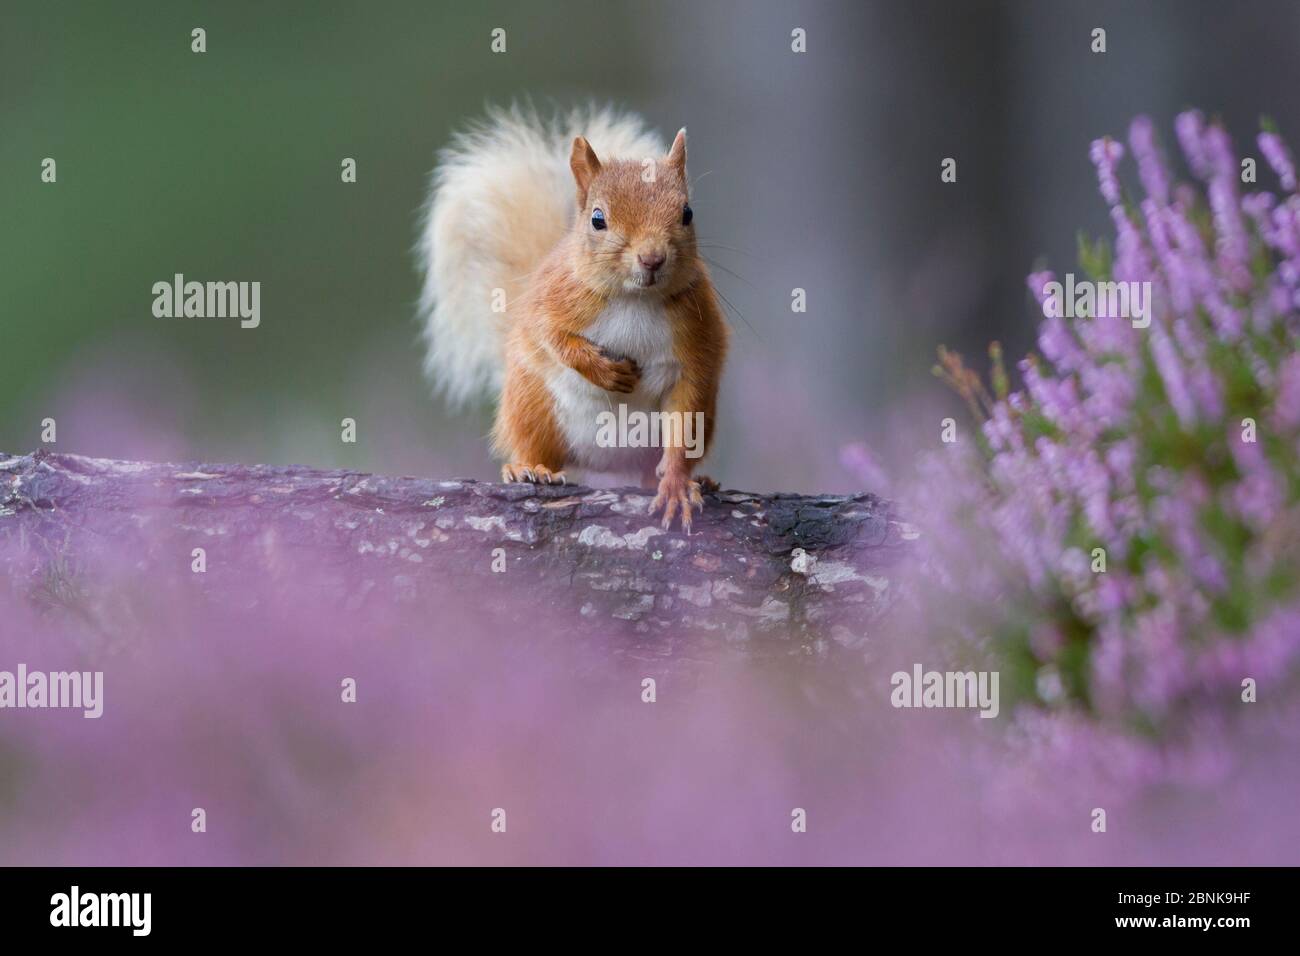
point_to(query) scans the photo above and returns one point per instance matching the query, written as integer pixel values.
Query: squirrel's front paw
(537, 474)
(616, 374)
(677, 493)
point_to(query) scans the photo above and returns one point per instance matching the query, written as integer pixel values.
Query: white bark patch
(121, 467)
(490, 523)
(598, 536)
(630, 505)
(700, 595)
(638, 539)
(827, 574)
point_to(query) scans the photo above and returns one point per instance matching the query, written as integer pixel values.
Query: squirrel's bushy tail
(500, 199)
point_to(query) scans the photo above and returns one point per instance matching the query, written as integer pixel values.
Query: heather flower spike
(1279, 157)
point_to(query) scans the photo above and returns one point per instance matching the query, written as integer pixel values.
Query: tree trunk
(760, 574)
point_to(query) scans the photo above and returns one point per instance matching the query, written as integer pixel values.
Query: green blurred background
(226, 165)
(819, 170)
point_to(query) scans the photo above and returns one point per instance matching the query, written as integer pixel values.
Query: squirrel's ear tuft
(677, 155)
(585, 166)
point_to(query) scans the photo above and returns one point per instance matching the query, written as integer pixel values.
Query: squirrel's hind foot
(678, 495)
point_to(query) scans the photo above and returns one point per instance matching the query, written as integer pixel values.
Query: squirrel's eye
(687, 215)
(597, 219)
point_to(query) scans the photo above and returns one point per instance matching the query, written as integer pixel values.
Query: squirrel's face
(635, 227)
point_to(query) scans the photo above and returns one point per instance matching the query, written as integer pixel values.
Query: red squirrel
(563, 278)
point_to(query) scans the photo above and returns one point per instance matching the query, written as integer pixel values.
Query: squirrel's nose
(651, 261)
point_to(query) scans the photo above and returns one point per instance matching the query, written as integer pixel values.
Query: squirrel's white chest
(631, 327)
